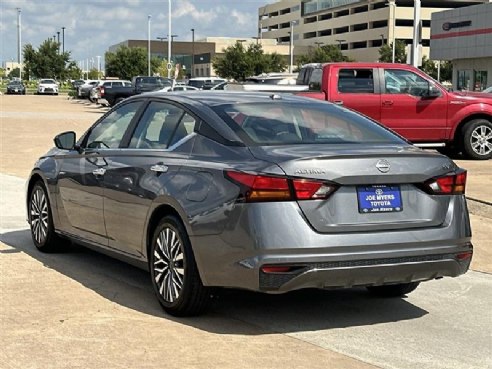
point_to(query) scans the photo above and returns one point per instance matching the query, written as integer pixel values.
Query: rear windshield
(280, 123)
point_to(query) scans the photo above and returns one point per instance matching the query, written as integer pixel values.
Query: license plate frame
(379, 199)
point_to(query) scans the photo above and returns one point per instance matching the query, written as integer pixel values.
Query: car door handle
(338, 102)
(159, 168)
(387, 103)
(99, 171)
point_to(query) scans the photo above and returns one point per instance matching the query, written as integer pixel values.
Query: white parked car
(47, 86)
(179, 88)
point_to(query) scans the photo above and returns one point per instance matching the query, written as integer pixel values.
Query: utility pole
(392, 5)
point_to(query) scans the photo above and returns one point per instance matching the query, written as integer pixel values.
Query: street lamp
(192, 52)
(318, 43)
(416, 33)
(392, 5)
(291, 45)
(148, 45)
(169, 41)
(19, 42)
(340, 43)
(382, 39)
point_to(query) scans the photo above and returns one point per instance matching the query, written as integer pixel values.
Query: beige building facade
(359, 27)
(197, 57)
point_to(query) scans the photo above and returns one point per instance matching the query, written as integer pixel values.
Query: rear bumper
(276, 234)
(364, 273)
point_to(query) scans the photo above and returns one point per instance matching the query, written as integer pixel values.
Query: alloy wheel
(39, 215)
(169, 264)
(481, 140)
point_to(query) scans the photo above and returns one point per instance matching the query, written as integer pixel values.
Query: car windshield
(14, 83)
(47, 81)
(279, 123)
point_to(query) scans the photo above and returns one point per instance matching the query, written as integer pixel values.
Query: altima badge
(383, 166)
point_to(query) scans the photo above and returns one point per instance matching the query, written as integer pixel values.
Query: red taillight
(275, 269)
(448, 185)
(262, 188)
(272, 188)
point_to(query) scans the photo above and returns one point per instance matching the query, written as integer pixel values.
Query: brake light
(275, 188)
(454, 184)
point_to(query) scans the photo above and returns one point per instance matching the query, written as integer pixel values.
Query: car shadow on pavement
(231, 311)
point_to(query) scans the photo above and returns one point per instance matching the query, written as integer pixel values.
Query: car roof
(214, 98)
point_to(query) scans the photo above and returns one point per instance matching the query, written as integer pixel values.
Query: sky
(91, 26)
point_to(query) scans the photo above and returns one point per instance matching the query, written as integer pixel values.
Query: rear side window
(288, 123)
(356, 81)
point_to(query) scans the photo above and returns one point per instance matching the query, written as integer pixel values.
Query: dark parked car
(248, 190)
(16, 87)
(143, 84)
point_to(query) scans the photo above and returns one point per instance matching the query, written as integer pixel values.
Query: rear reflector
(276, 188)
(275, 269)
(464, 256)
(454, 184)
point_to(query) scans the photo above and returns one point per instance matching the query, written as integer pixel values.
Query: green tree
(73, 71)
(162, 69)
(14, 73)
(324, 54)
(47, 61)
(94, 74)
(128, 62)
(386, 52)
(239, 62)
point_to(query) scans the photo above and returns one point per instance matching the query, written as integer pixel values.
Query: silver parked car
(257, 191)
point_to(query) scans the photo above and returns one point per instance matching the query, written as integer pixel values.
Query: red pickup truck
(409, 102)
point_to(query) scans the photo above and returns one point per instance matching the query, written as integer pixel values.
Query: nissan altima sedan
(256, 191)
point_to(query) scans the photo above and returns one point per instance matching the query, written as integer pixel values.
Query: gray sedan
(263, 192)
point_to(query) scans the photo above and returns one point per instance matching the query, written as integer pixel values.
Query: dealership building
(197, 56)
(464, 37)
(359, 27)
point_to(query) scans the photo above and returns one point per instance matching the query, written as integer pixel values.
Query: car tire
(173, 270)
(450, 151)
(41, 221)
(477, 139)
(393, 290)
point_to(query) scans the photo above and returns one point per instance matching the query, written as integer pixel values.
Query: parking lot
(80, 309)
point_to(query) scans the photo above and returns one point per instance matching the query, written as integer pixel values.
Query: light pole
(340, 43)
(169, 33)
(291, 45)
(19, 42)
(382, 39)
(192, 52)
(318, 44)
(98, 66)
(416, 33)
(63, 40)
(58, 40)
(392, 5)
(148, 45)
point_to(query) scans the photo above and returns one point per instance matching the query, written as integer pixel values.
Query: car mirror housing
(65, 140)
(434, 91)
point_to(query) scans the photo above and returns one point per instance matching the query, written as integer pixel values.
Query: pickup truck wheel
(477, 139)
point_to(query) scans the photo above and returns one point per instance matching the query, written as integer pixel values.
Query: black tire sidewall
(50, 233)
(190, 270)
(467, 133)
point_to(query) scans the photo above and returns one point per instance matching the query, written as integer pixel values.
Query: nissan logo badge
(383, 166)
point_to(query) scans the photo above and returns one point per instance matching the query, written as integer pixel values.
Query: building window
(480, 80)
(464, 80)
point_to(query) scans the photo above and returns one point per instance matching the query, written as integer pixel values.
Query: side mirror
(434, 91)
(65, 140)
